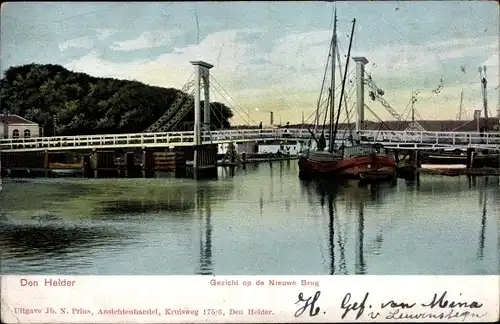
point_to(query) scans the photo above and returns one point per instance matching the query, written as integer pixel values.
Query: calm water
(262, 220)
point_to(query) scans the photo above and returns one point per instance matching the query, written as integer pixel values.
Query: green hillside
(72, 103)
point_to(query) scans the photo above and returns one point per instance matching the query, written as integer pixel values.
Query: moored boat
(319, 162)
(366, 161)
(360, 162)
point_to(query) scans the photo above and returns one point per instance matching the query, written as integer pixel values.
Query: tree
(72, 103)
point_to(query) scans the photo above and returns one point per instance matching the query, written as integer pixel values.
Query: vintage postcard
(253, 162)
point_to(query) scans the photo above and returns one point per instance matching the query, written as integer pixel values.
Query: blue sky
(269, 56)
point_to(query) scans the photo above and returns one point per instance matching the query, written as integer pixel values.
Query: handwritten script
(359, 307)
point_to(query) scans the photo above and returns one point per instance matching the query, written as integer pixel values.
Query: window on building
(15, 133)
(27, 133)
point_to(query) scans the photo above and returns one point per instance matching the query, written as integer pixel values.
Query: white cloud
(87, 41)
(300, 51)
(286, 78)
(103, 33)
(148, 39)
(492, 69)
(94, 65)
(399, 60)
(80, 42)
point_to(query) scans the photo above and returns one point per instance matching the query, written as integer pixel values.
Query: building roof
(14, 119)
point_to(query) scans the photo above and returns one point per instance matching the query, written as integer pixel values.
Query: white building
(268, 146)
(14, 126)
(285, 147)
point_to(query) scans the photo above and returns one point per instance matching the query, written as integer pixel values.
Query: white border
(196, 299)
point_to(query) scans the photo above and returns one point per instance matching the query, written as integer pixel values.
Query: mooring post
(95, 160)
(470, 157)
(85, 165)
(130, 164)
(46, 164)
(147, 163)
(417, 164)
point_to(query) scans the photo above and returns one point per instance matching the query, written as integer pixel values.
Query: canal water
(259, 220)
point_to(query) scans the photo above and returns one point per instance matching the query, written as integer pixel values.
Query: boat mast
(343, 81)
(485, 97)
(412, 108)
(332, 85)
(460, 112)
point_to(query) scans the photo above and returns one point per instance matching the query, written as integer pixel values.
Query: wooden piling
(205, 163)
(46, 164)
(129, 164)
(87, 166)
(417, 160)
(147, 163)
(95, 163)
(170, 162)
(470, 157)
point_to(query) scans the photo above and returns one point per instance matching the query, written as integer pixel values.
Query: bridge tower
(202, 73)
(205, 156)
(360, 92)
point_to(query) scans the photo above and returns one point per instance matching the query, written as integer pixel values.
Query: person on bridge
(260, 125)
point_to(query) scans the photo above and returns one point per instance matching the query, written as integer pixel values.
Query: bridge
(163, 144)
(421, 140)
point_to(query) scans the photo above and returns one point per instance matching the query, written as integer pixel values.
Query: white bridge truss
(389, 139)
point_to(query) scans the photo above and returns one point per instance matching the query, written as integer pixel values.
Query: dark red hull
(350, 167)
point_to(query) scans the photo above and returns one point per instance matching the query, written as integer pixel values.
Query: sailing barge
(368, 162)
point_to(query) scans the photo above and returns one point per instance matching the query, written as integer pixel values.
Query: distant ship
(361, 161)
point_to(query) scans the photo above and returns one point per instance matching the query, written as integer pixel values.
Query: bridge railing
(111, 140)
(436, 138)
(150, 139)
(241, 134)
(187, 138)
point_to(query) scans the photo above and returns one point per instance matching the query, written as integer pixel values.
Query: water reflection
(360, 266)
(40, 243)
(482, 201)
(142, 206)
(204, 210)
(328, 192)
(226, 172)
(261, 221)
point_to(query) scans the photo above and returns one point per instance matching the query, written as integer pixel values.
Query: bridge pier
(23, 164)
(170, 161)
(205, 161)
(103, 164)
